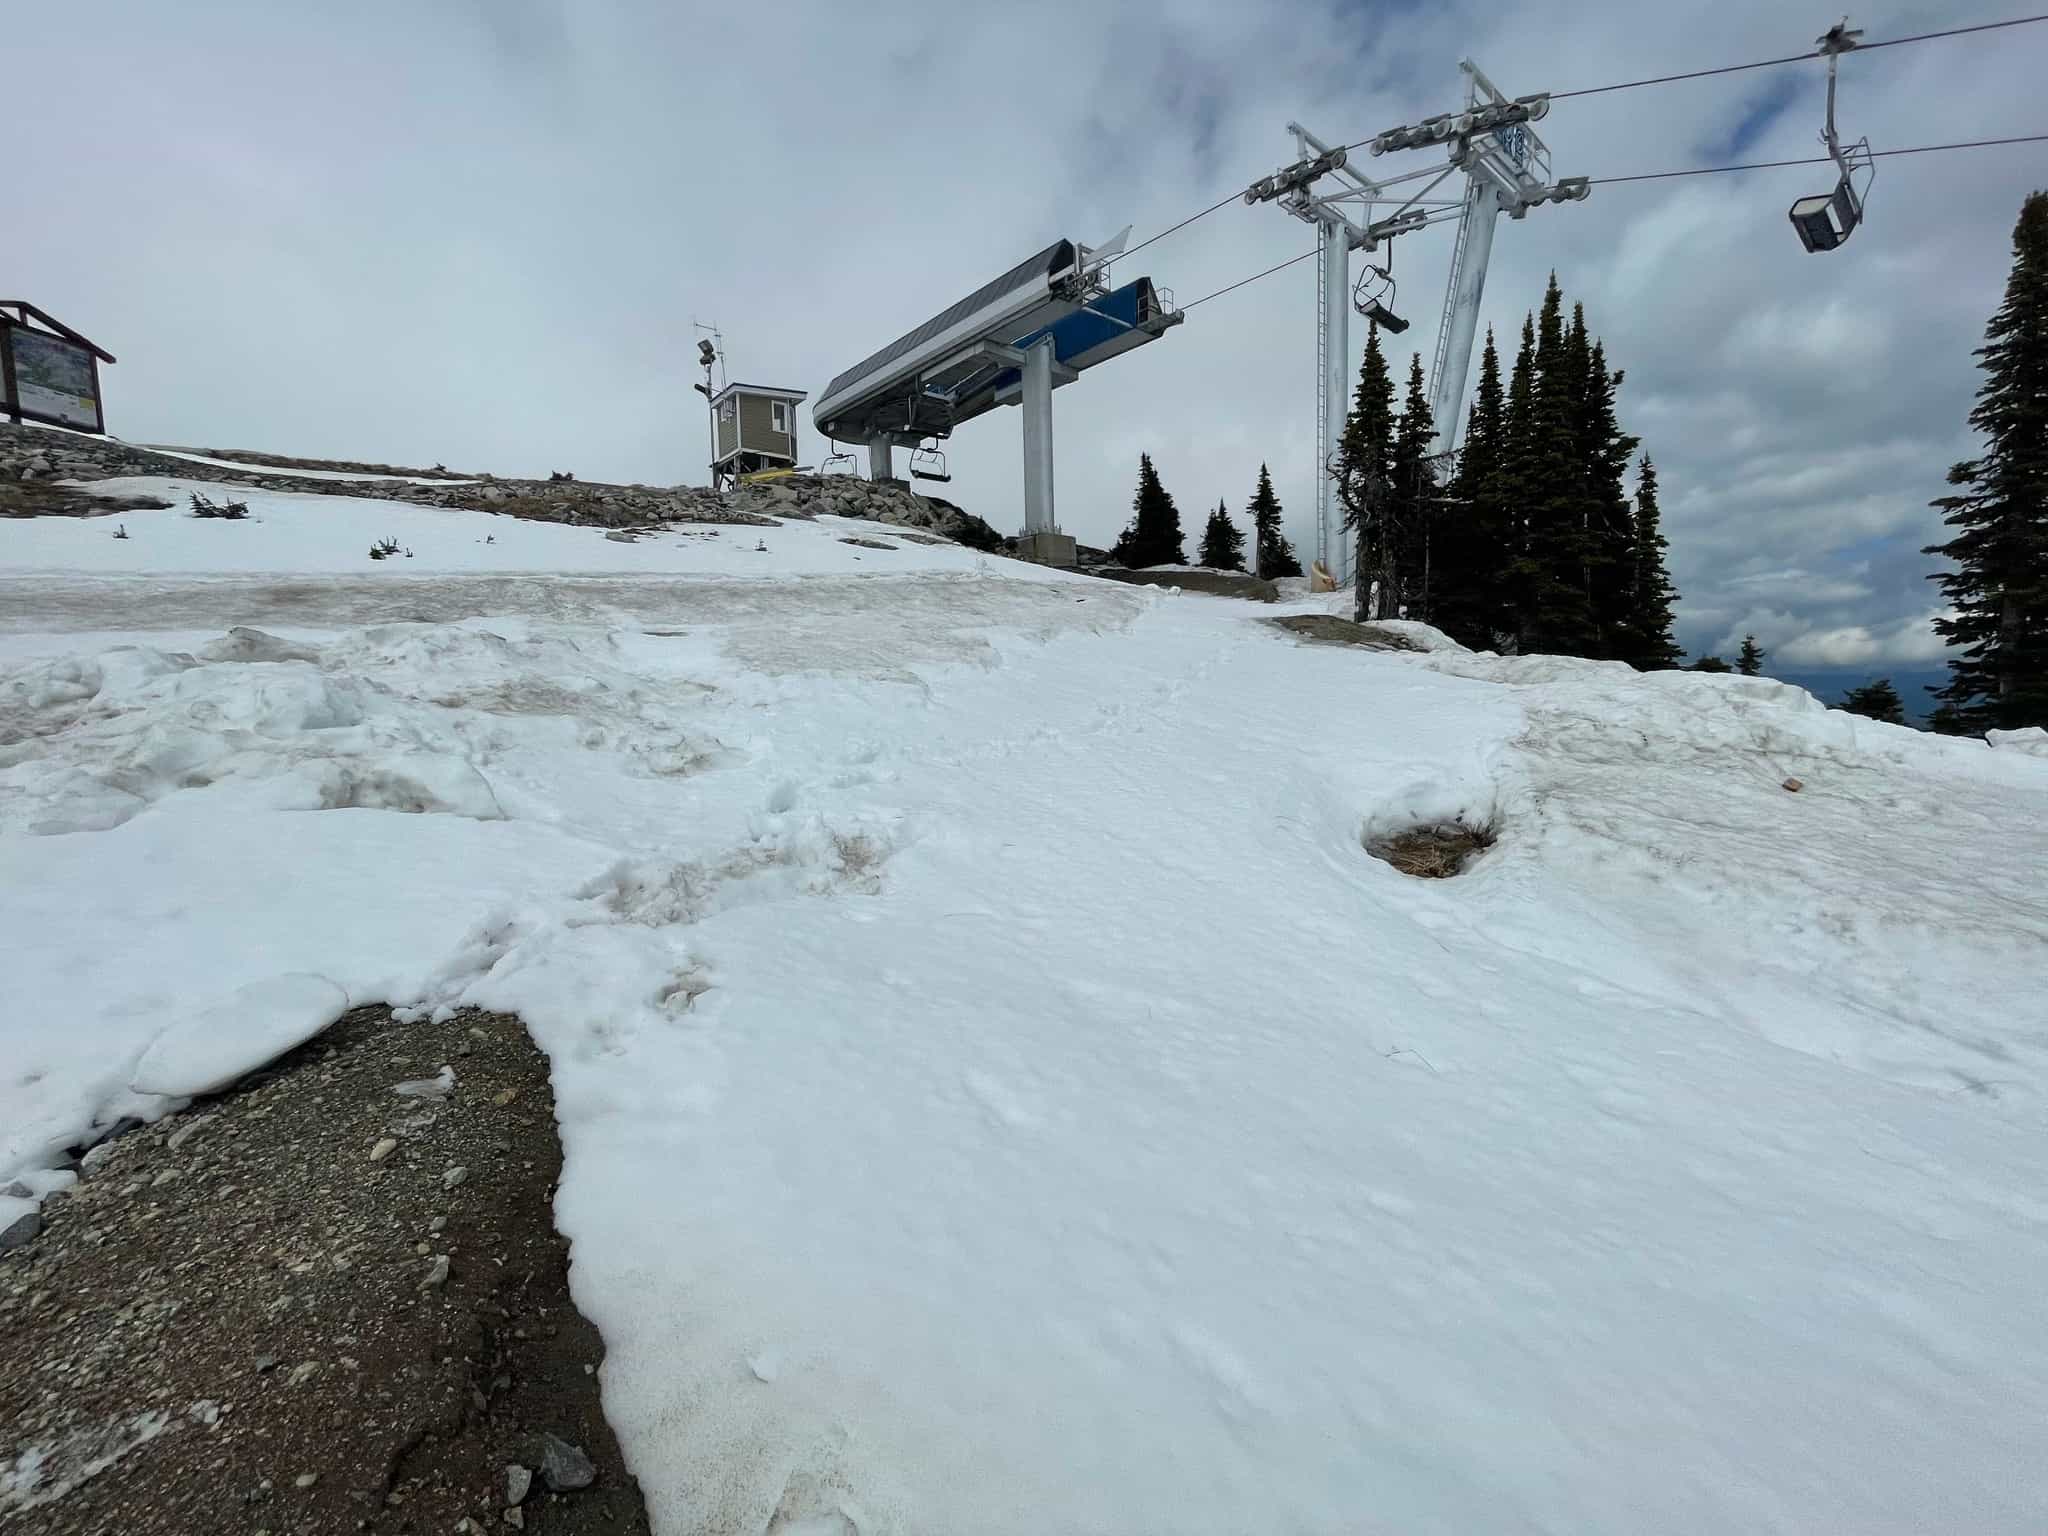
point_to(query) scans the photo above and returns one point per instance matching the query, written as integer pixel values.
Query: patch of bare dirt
(1328, 629)
(1433, 852)
(314, 1304)
(1215, 583)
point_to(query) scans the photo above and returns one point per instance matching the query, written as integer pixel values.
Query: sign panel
(53, 380)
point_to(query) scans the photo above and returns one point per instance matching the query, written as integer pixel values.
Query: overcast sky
(478, 231)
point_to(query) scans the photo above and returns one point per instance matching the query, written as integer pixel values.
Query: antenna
(710, 355)
(716, 346)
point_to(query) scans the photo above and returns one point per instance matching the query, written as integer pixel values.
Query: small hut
(755, 430)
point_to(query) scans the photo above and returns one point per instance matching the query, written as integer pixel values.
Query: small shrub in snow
(384, 549)
(1434, 851)
(227, 511)
(121, 532)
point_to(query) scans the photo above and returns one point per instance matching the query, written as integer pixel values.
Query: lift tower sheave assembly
(1013, 341)
(1506, 169)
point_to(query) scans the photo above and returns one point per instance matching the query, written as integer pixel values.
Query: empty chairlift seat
(1825, 222)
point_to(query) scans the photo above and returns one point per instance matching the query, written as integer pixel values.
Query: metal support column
(1037, 391)
(881, 458)
(1461, 310)
(1333, 351)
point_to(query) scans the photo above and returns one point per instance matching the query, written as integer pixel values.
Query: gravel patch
(1328, 629)
(250, 1318)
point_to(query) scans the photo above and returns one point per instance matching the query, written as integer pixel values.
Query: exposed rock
(184, 1133)
(517, 1480)
(1216, 583)
(1328, 629)
(439, 1086)
(564, 1467)
(20, 1231)
(623, 509)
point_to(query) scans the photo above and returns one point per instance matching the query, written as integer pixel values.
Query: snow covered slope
(289, 531)
(1001, 1094)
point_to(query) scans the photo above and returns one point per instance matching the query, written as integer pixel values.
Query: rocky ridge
(44, 472)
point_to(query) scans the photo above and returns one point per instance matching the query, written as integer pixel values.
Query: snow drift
(1000, 1091)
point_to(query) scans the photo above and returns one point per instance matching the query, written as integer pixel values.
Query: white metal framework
(1506, 169)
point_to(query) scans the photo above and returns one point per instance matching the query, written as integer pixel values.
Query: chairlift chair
(840, 461)
(1373, 297)
(928, 463)
(1825, 222)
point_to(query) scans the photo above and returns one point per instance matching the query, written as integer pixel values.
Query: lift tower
(1506, 169)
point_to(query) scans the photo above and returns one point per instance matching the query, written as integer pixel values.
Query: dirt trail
(257, 1316)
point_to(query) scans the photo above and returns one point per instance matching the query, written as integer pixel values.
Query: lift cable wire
(1770, 165)
(1171, 228)
(1708, 170)
(1703, 170)
(1790, 58)
(1290, 261)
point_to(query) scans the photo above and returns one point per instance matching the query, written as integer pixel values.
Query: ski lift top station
(1012, 341)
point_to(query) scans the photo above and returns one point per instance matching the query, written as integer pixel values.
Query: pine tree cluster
(1876, 701)
(1153, 536)
(1532, 542)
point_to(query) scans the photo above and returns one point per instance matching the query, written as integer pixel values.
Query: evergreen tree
(1878, 701)
(1471, 545)
(1411, 500)
(1222, 542)
(1276, 555)
(1646, 634)
(1517, 477)
(1945, 720)
(1365, 460)
(1555, 559)
(1543, 547)
(1610, 555)
(1750, 659)
(1998, 591)
(1710, 664)
(1152, 537)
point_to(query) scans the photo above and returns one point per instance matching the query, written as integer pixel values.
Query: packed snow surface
(999, 1091)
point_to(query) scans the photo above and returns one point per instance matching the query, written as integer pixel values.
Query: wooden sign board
(49, 378)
